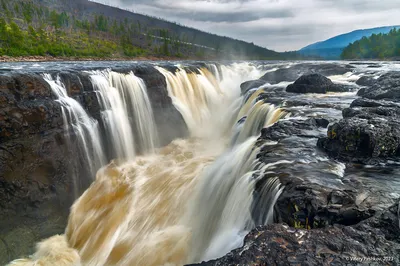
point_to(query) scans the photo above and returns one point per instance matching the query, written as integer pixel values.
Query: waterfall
(126, 113)
(191, 200)
(254, 115)
(205, 101)
(78, 123)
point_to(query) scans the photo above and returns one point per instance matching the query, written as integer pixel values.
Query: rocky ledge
(375, 241)
(330, 212)
(323, 216)
(370, 129)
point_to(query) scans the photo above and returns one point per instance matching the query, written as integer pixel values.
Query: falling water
(186, 202)
(254, 115)
(78, 123)
(220, 215)
(126, 112)
(206, 102)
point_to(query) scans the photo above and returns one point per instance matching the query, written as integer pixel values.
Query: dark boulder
(386, 87)
(365, 81)
(251, 84)
(361, 139)
(311, 83)
(315, 83)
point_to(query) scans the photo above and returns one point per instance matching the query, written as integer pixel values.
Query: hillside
(333, 47)
(377, 46)
(87, 29)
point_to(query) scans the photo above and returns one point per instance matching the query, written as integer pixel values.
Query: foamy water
(188, 201)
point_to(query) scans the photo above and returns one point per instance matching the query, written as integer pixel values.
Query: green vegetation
(81, 28)
(37, 30)
(378, 46)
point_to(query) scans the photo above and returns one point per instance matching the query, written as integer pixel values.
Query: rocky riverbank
(337, 210)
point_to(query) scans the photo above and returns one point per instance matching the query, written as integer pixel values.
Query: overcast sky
(281, 25)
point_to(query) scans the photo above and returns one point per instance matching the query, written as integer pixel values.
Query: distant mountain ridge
(333, 47)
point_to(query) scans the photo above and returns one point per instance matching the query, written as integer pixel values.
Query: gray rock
(251, 84)
(386, 87)
(365, 81)
(316, 83)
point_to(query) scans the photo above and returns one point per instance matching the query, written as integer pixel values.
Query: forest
(81, 28)
(377, 46)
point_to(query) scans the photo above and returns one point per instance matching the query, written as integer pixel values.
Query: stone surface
(386, 87)
(251, 84)
(315, 83)
(359, 139)
(374, 241)
(322, 217)
(365, 81)
(370, 128)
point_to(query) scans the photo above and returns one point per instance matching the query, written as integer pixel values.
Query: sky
(281, 25)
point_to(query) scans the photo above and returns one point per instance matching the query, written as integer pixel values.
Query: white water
(126, 113)
(206, 101)
(220, 214)
(189, 201)
(84, 128)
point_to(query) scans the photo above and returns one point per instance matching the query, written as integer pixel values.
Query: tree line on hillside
(85, 29)
(30, 29)
(377, 46)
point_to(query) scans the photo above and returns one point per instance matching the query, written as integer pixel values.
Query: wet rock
(361, 139)
(295, 71)
(311, 83)
(288, 128)
(315, 83)
(386, 87)
(322, 122)
(365, 81)
(374, 241)
(305, 203)
(72, 83)
(362, 102)
(245, 86)
(369, 132)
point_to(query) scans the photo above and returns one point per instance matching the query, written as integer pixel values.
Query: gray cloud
(276, 24)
